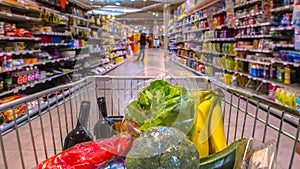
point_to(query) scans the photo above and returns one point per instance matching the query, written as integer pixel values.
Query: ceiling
(134, 12)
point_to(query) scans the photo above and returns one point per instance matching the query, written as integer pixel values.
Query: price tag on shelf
(264, 81)
(27, 18)
(9, 14)
(11, 38)
(284, 63)
(32, 85)
(43, 81)
(30, 52)
(16, 90)
(9, 54)
(24, 88)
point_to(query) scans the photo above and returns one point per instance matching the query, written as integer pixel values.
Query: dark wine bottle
(102, 129)
(80, 133)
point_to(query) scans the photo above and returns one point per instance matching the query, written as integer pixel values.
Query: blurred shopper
(142, 46)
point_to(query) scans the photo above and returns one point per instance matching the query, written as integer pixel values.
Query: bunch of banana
(208, 134)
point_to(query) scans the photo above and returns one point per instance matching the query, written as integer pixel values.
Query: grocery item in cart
(162, 104)
(89, 155)
(80, 133)
(162, 148)
(208, 134)
(225, 158)
(102, 129)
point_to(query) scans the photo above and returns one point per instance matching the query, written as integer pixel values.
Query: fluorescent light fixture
(157, 15)
(153, 13)
(132, 0)
(118, 3)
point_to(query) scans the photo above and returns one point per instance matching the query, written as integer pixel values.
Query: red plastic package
(89, 155)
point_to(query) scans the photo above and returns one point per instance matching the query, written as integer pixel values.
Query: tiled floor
(49, 130)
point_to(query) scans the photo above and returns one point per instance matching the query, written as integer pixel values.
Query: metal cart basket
(39, 133)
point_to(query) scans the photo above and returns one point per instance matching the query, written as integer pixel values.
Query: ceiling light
(118, 3)
(157, 15)
(132, 0)
(145, 0)
(153, 13)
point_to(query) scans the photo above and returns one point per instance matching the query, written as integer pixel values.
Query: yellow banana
(200, 95)
(217, 140)
(201, 128)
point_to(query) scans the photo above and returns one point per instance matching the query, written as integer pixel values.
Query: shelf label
(9, 14)
(23, 88)
(27, 18)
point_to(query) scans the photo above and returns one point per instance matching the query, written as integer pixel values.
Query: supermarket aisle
(153, 64)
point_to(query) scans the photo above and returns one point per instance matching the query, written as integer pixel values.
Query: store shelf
(112, 68)
(11, 38)
(52, 34)
(95, 27)
(188, 68)
(54, 44)
(247, 3)
(117, 49)
(176, 32)
(20, 7)
(249, 15)
(217, 53)
(185, 57)
(80, 27)
(288, 28)
(4, 128)
(44, 62)
(31, 85)
(77, 17)
(118, 56)
(193, 41)
(283, 8)
(254, 61)
(76, 48)
(19, 53)
(81, 57)
(261, 36)
(256, 25)
(283, 45)
(220, 27)
(17, 18)
(219, 12)
(219, 40)
(254, 50)
(286, 63)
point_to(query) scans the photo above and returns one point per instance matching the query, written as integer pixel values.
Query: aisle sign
(230, 13)
(296, 19)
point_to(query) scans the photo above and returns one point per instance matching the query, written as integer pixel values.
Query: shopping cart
(39, 133)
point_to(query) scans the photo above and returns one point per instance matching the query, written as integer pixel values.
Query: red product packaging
(89, 155)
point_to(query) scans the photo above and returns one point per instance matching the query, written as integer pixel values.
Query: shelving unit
(255, 42)
(57, 45)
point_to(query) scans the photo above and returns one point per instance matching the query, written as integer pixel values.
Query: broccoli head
(162, 148)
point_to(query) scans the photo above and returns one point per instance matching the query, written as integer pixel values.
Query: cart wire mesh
(39, 133)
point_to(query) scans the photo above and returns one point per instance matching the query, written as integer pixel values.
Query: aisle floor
(49, 135)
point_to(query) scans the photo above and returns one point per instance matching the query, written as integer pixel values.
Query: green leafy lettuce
(162, 104)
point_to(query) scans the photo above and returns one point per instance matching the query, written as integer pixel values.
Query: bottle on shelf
(287, 75)
(80, 133)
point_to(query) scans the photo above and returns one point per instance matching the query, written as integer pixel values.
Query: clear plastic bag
(163, 101)
(160, 148)
(256, 155)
